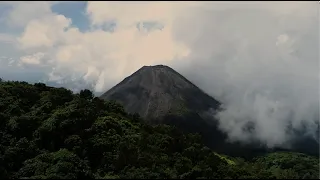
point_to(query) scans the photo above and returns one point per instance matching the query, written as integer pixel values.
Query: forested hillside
(50, 132)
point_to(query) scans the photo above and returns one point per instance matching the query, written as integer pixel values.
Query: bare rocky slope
(156, 91)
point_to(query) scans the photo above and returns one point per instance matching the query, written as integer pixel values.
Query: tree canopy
(50, 132)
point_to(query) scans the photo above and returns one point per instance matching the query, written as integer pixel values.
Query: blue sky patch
(76, 12)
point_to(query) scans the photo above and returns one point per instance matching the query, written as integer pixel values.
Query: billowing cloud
(262, 63)
(259, 58)
(34, 59)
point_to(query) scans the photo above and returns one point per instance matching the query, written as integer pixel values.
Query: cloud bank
(260, 59)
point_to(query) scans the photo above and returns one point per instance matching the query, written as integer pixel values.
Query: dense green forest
(52, 133)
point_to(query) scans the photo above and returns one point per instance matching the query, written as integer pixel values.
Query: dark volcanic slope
(161, 95)
(156, 91)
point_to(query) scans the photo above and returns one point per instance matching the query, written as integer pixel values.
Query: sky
(260, 59)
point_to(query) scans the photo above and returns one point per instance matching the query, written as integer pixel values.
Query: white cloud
(120, 52)
(259, 58)
(45, 31)
(34, 59)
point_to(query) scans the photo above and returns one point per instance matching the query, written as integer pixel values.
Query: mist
(263, 65)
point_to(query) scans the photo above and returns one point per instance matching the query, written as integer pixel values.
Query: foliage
(52, 133)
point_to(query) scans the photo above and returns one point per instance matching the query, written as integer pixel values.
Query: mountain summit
(157, 91)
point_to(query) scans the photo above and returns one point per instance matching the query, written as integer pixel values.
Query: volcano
(160, 95)
(156, 91)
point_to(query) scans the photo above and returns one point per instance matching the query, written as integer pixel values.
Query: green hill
(51, 133)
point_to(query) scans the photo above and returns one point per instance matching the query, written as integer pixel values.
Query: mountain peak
(154, 91)
(157, 66)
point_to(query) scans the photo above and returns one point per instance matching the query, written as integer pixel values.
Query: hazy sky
(261, 59)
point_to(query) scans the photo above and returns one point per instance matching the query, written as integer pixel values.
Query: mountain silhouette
(156, 91)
